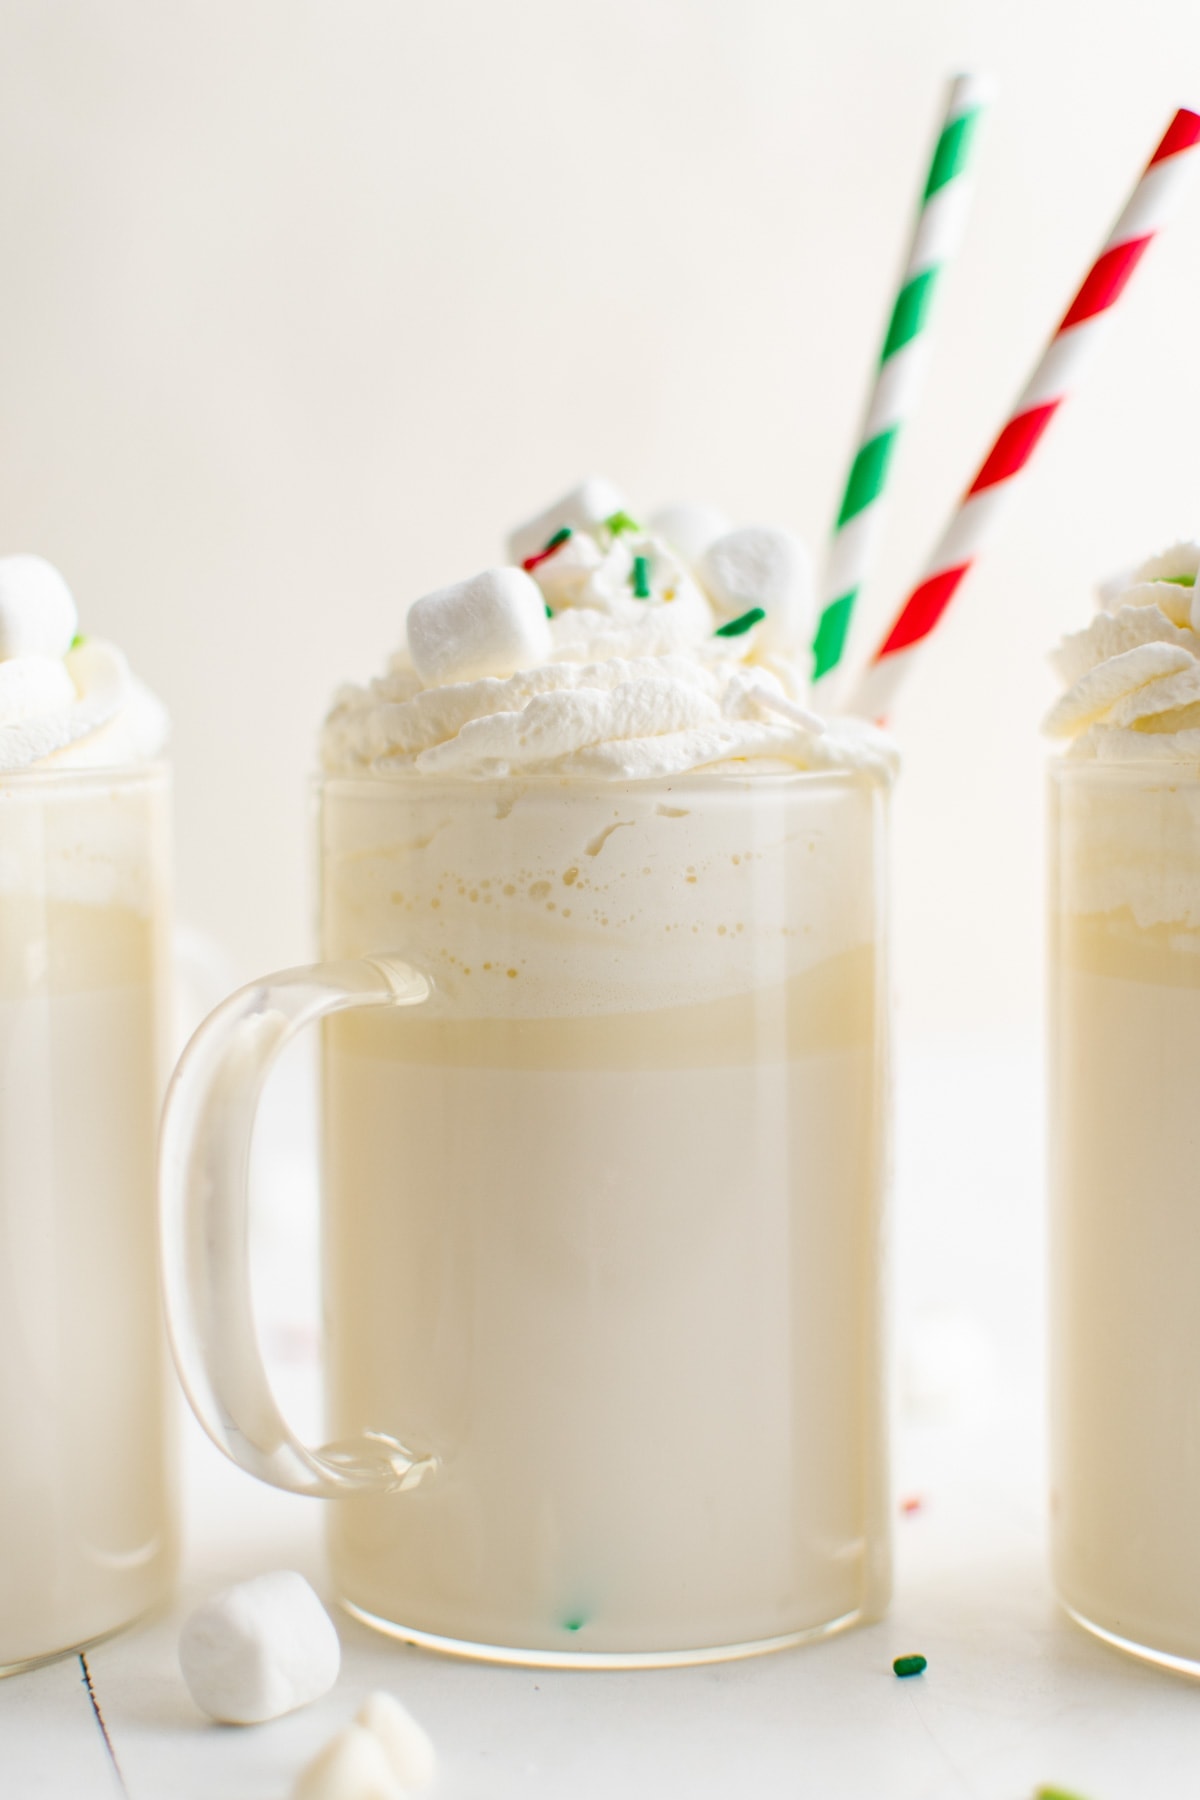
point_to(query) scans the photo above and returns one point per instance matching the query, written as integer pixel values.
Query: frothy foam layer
(1131, 840)
(553, 899)
(646, 672)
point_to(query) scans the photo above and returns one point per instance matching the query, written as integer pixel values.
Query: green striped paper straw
(936, 233)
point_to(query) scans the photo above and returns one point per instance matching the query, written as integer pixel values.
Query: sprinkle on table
(641, 577)
(620, 521)
(539, 556)
(909, 1665)
(742, 623)
(1055, 1793)
(911, 1503)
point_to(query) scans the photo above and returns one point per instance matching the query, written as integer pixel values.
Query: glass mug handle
(204, 1167)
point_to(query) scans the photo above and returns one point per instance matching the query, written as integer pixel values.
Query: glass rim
(394, 782)
(85, 775)
(1159, 772)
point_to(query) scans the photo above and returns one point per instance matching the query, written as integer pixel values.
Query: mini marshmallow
(760, 565)
(353, 1766)
(586, 506)
(565, 576)
(689, 527)
(408, 1746)
(493, 624)
(259, 1649)
(37, 610)
(33, 685)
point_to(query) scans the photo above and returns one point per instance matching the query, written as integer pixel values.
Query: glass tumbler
(87, 1523)
(605, 1098)
(1125, 1203)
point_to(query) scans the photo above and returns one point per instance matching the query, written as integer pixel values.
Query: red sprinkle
(539, 556)
(912, 1503)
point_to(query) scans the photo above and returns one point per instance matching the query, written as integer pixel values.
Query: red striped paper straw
(1056, 374)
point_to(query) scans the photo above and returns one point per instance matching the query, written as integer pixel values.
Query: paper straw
(936, 232)
(1055, 375)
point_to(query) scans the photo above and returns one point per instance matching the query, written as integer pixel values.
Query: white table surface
(1014, 1695)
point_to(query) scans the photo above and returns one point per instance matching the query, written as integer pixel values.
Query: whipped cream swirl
(656, 658)
(65, 701)
(1133, 675)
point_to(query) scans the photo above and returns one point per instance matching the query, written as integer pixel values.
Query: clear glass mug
(87, 1517)
(605, 1095)
(1125, 1203)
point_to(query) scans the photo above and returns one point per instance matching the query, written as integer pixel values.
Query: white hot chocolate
(87, 1533)
(1125, 1001)
(603, 1215)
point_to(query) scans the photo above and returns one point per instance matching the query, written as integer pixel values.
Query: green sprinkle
(77, 640)
(560, 537)
(1176, 581)
(737, 626)
(549, 609)
(1045, 1793)
(909, 1665)
(641, 577)
(574, 1624)
(620, 521)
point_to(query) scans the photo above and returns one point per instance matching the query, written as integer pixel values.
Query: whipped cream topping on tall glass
(1133, 675)
(610, 650)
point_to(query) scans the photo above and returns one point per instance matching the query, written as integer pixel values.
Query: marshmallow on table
(259, 1649)
(760, 565)
(689, 527)
(383, 1755)
(352, 1766)
(408, 1746)
(585, 507)
(37, 611)
(493, 624)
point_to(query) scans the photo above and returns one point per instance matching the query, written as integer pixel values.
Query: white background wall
(302, 302)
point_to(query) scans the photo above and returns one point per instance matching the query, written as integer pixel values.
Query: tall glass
(1125, 1062)
(604, 1160)
(87, 1533)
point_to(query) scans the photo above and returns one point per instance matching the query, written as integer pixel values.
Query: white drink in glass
(602, 1217)
(1125, 993)
(87, 1535)
(1125, 1033)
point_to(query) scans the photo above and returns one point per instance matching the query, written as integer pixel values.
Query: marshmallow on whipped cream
(64, 700)
(1133, 675)
(608, 649)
